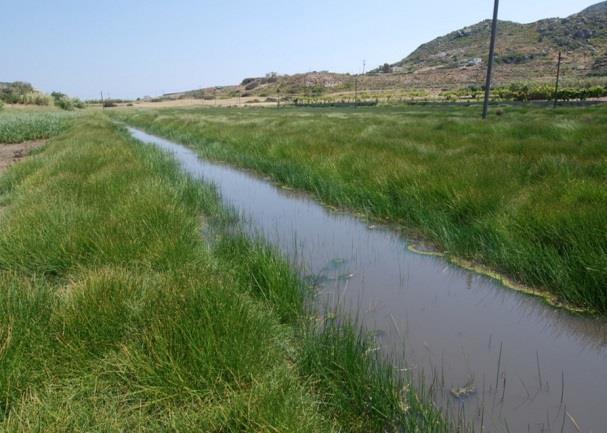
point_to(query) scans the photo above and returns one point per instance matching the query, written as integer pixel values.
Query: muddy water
(450, 323)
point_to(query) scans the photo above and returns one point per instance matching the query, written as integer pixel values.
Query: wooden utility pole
(558, 76)
(491, 56)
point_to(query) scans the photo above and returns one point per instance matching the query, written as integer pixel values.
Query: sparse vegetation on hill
(525, 52)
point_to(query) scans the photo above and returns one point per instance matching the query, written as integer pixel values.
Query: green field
(524, 193)
(23, 125)
(117, 315)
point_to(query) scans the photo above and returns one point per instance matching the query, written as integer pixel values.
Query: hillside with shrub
(23, 93)
(524, 52)
(526, 55)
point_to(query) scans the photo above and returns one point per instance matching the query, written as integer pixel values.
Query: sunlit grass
(117, 315)
(523, 193)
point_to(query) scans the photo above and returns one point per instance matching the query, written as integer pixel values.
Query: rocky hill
(524, 53)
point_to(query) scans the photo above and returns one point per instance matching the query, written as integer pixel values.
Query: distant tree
(58, 95)
(386, 68)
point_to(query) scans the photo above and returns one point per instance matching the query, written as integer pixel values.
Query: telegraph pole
(490, 61)
(102, 99)
(558, 76)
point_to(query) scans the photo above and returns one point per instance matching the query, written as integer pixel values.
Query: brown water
(450, 323)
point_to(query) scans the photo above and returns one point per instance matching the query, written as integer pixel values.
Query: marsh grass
(117, 315)
(524, 193)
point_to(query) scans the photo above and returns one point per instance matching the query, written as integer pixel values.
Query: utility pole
(364, 66)
(491, 56)
(558, 76)
(102, 99)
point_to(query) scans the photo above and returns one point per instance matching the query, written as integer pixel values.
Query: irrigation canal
(485, 351)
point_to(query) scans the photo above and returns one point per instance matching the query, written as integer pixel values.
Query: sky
(130, 49)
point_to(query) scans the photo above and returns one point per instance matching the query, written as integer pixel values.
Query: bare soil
(10, 153)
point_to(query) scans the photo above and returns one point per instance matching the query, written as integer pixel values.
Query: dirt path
(10, 153)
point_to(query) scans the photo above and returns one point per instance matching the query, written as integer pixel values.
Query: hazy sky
(133, 48)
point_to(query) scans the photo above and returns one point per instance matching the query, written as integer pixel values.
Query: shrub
(386, 68)
(64, 103)
(36, 98)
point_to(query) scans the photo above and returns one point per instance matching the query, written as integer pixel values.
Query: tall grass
(116, 315)
(524, 193)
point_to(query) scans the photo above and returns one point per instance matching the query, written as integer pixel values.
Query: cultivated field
(18, 125)
(523, 193)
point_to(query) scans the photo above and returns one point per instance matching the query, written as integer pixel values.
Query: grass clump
(523, 194)
(116, 315)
